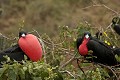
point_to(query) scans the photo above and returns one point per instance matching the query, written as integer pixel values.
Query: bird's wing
(11, 49)
(104, 55)
(79, 42)
(13, 52)
(116, 27)
(117, 51)
(101, 42)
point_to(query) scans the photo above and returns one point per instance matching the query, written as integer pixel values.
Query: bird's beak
(86, 36)
(23, 35)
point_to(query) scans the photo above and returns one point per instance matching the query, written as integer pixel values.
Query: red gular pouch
(83, 50)
(31, 47)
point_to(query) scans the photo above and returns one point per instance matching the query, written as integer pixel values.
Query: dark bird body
(14, 53)
(101, 52)
(116, 24)
(116, 51)
(117, 28)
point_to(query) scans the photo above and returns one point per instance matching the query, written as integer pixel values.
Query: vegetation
(58, 23)
(60, 60)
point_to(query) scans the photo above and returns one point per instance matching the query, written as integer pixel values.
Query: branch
(108, 67)
(66, 71)
(7, 37)
(102, 5)
(80, 67)
(43, 45)
(68, 62)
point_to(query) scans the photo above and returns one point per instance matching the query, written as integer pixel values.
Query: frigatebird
(101, 52)
(28, 45)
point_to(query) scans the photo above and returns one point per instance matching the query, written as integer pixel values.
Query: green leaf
(11, 74)
(22, 74)
(2, 71)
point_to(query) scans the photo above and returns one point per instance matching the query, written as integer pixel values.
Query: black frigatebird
(101, 52)
(28, 45)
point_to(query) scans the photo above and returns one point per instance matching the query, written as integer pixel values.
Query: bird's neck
(85, 41)
(83, 47)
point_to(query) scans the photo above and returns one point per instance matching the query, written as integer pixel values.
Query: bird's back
(102, 53)
(117, 28)
(13, 52)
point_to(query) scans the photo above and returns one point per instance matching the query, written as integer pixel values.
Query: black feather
(116, 51)
(116, 27)
(14, 52)
(102, 53)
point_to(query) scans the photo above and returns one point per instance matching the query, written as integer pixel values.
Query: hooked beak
(86, 36)
(23, 35)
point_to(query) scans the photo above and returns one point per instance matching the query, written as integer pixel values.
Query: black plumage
(14, 52)
(21, 33)
(116, 27)
(116, 20)
(101, 52)
(98, 34)
(116, 51)
(116, 24)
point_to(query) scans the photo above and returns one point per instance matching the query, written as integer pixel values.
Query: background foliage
(46, 15)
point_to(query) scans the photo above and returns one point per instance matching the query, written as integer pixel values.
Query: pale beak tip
(23, 35)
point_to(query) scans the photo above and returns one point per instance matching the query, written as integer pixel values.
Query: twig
(68, 62)
(110, 9)
(42, 43)
(116, 65)
(102, 5)
(7, 37)
(66, 71)
(80, 67)
(53, 47)
(108, 67)
(113, 33)
(108, 27)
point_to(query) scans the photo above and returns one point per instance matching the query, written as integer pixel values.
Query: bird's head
(116, 20)
(22, 34)
(98, 34)
(83, 50)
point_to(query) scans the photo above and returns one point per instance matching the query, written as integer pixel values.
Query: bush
(60, 56)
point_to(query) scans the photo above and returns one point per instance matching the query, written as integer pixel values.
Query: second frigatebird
(101, 52)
